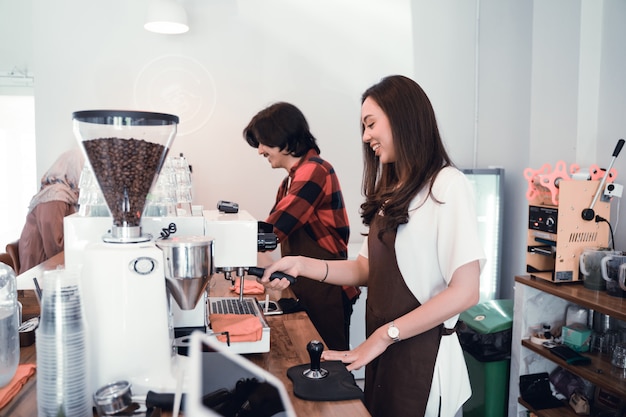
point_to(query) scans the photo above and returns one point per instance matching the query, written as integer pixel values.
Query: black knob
(315, 371)
(588, 214)
(315, 349)
(618, 147)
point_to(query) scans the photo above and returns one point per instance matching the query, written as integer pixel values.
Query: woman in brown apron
(420, 261)
(386, 389)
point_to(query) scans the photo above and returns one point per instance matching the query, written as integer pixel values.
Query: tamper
(311, 382)
(315, 349)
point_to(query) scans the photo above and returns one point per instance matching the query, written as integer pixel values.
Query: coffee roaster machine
(568, 211)
(557, 234)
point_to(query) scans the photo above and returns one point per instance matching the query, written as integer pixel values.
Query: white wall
(238, 58)
(514, 83)
(612, 102)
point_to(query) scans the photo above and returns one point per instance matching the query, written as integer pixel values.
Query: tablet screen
(227, 384)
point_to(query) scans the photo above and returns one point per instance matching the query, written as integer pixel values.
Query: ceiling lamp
(167, 17)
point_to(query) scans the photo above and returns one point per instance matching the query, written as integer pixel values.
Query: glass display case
(488, 186)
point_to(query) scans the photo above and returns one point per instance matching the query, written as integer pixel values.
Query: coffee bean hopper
(126, 304)
(126, 150)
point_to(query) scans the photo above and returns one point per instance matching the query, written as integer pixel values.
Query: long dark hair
(281, 125)
(420, 153)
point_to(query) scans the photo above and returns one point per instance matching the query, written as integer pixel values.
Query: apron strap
(447, 332)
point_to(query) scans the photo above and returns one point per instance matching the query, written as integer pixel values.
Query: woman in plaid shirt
(309, 215)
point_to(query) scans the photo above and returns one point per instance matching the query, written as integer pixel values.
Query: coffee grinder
(123, 285)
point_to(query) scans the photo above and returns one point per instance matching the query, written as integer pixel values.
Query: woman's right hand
(342, 272)
(290, 265)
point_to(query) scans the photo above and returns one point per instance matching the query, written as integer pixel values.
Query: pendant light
(167, 17)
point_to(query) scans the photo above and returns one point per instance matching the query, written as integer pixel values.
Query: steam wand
(588, 213)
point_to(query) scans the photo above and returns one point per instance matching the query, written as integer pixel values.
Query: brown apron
(326, 304)
(397, 383)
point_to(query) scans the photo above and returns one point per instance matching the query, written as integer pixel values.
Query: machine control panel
(542, 218)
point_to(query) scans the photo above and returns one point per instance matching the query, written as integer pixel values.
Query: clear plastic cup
(9, 324)
(61, 348)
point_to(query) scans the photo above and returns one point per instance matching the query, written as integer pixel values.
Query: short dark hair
(281, 125)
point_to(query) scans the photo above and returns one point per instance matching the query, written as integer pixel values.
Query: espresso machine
(130, 281)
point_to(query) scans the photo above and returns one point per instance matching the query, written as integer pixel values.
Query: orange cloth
(22, 374)
(240, 327)
(249, 287)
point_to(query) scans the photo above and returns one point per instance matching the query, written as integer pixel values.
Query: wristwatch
(393, 332)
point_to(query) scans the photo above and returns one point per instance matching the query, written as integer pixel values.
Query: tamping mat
(338, 385)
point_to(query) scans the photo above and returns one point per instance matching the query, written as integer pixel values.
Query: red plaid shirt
(310, 198)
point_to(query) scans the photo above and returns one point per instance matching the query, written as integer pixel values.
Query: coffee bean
(125, 170)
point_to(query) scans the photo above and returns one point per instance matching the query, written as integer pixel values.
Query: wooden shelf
(576, 293)
(598, 372)
(565, 411)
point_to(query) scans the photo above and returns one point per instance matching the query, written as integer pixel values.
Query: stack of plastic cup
(91, 201)
(9, 323)
(161, 201)
(183, 185)
(61, 348)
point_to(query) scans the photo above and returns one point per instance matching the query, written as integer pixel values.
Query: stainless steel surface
(188, 266)
(113, 398)
(603, 323)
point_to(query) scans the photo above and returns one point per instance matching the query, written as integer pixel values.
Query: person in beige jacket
(42, 235)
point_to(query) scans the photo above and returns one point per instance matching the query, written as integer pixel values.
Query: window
(18, 168)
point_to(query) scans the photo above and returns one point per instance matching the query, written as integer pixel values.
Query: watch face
(393, 332)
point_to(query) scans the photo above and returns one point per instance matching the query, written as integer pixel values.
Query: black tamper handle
(258, 272)
(165, 401)
(315, 349)
(315, 371)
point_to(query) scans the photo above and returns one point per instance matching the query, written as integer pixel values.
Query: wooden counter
(288, 338)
